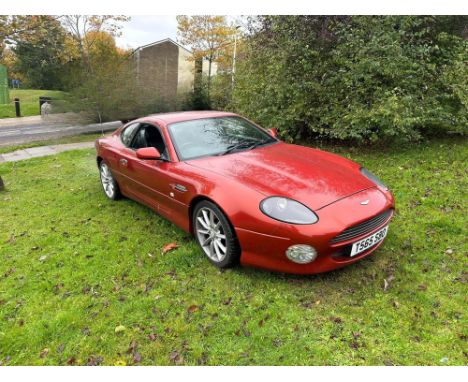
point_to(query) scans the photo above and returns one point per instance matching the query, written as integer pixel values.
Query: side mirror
(273, 132)
(148, 153)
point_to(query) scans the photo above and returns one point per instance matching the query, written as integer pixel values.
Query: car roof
(182, 116)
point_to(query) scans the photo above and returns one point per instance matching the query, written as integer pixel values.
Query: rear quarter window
(128, 133)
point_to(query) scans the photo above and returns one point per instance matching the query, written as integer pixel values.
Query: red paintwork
(330, 185)
(148, 153)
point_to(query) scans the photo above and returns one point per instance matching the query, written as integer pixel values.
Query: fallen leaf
(119, 329)
(42, 258)
(120, 362)
(176, 357)
(246, 332)
(387, 282)
(44, 353)
(169, 247)
(94, 361)
(9, 272)
(227, 301)
(132, 347)
(71, 361)
(136, 357)
(192, 308)
(449, 251)
(152, 337)
(354, 344)
(85, 331)
(444, 360)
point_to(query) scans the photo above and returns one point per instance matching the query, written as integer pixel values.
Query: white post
(234, 57)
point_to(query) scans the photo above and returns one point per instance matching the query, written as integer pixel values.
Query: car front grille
(362, 228)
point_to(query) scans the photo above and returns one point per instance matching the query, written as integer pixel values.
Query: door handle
(123, 162)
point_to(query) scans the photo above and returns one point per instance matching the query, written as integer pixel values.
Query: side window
(127, 134)
(139, 140)
(149, 136)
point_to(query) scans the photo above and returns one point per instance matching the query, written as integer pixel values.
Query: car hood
(312, 177)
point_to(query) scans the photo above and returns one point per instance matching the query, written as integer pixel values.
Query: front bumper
(268, 250)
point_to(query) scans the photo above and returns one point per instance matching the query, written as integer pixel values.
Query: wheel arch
(199, 198)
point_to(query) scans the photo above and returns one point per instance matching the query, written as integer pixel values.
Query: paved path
(15, 131)
(42, 151)
(8, 122)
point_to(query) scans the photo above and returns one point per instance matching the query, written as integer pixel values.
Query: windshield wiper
(259, 143)
(249, 145)
(239, 145)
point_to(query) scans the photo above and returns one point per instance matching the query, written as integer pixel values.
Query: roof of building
(160, 42)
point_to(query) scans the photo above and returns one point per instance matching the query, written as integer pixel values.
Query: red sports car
(245, 195)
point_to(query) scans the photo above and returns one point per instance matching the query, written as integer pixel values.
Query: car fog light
(301, 253)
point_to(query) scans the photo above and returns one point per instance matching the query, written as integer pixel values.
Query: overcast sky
(142, 30)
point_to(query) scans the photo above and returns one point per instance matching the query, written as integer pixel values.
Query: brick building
(166, 66)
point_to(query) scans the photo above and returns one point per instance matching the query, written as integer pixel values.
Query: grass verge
(29, 102)
(83, 280)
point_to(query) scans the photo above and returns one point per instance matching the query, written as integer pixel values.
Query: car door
(149, 178)
(120, 156)
(114, 152)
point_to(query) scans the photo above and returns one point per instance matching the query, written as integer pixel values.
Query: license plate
(369, 241)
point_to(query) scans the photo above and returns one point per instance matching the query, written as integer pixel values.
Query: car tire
(215, 235)
(109, 185)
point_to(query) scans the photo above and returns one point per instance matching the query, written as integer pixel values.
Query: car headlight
(372, 177)
(287, 210)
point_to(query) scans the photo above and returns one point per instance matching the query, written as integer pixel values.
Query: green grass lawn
(29, 102)
(83, 279)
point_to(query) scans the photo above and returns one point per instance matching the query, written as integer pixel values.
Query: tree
(84, 30)
(360, 78)
(207, 36)
(39, 55)
(110, 90)
(14, 26)
(9, 60)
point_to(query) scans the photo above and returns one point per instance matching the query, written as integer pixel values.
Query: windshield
(216, 136)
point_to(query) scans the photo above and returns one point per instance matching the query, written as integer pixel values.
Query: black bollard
(17, 107)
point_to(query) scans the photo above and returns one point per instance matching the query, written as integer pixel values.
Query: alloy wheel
(107, 181)
(211, 234)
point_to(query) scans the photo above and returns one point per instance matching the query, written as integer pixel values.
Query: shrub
(355, 78)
